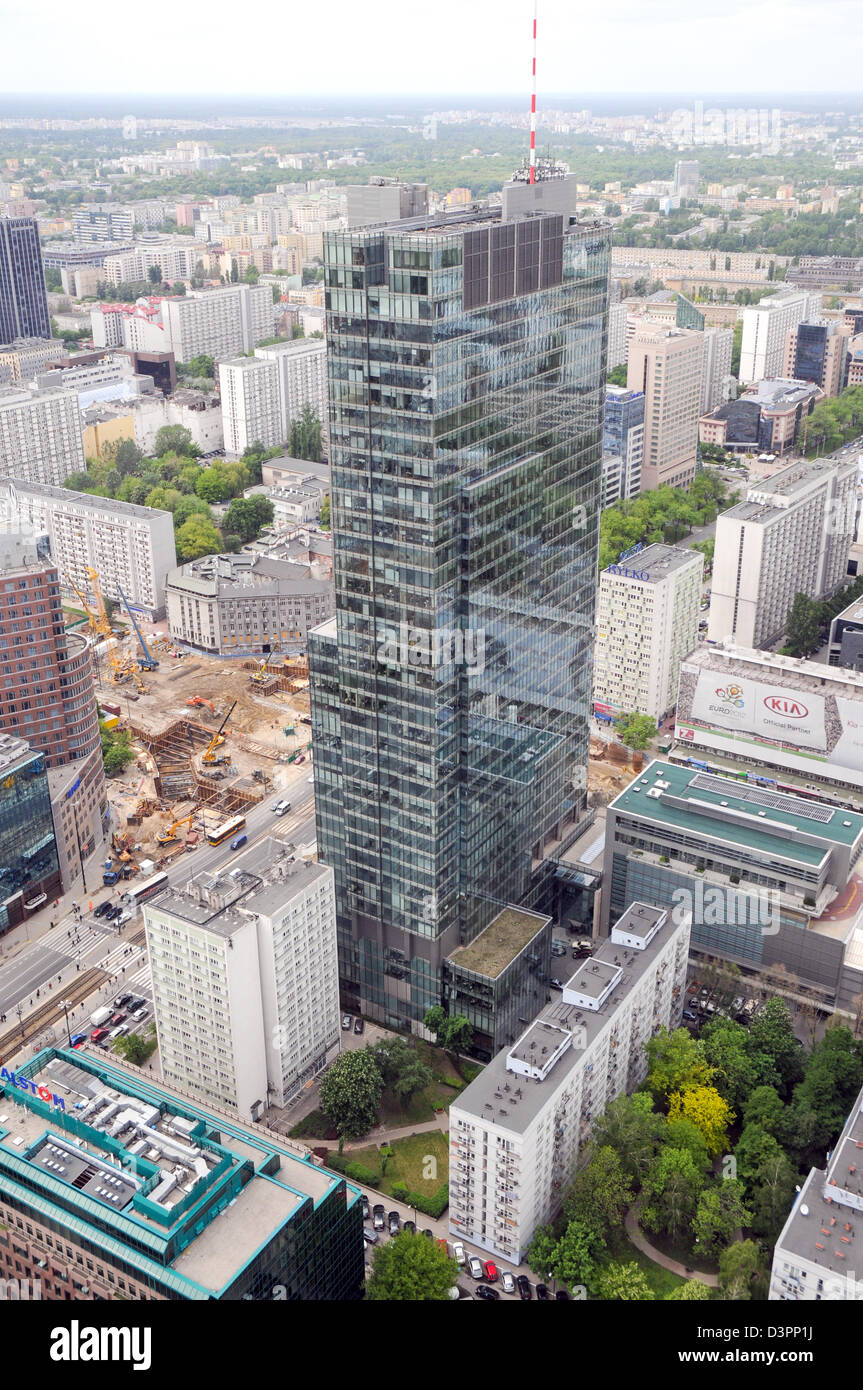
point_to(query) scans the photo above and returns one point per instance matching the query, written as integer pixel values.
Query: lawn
(410, 1159)
(661, 1281)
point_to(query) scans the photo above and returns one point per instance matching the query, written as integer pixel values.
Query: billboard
(790, 728)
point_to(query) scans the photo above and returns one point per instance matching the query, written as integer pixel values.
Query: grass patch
(408, 1161)
(314, 1126)
(681, 1252)
(661, 1281)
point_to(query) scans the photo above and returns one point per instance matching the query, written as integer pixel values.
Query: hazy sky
(459, 47)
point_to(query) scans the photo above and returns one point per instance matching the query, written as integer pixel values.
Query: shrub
(400, 1191)
(435, 1205)
(357, 1172)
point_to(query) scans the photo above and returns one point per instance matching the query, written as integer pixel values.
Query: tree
(135, 1048)
(833, 1078)
(601, 1191)
(175, 439)
(720, 1212)
(692, 1291)
(251, 275)
(576, 1254)
(117, 749)
(213, 484)
(325, 514)
(410, 1269)
(540, 1255)
(178, 288)
(240, 518)
(305, 436)
(401, 1067)
(201, 366)
(154, 275)
(196, 537)
(128, 457)
(707, 1110)
(803, 626)
(726, 1047)
(671, 1190)
(774, 1047)
(625, 1282)
(635, 730)
(764, 1107)
(633, 1130)
(189, 506)
(675, 1062)
(617, 376)
(351, 1093)
(452, 1031)
(681, 1133)
(739, 1264)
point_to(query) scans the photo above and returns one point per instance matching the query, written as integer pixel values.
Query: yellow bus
(224, 832)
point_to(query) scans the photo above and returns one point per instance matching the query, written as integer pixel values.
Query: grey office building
(23, 301)
(451, 693)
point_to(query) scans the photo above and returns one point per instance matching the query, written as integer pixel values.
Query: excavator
(197, 701)
(210, 758)
(170, 836)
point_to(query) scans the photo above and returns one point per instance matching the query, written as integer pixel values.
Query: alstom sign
(17, 1078)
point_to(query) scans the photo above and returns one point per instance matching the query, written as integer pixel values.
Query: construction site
(211, 736)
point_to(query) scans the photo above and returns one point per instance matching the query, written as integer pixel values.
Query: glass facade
(23, 299)
(28, 850)
(451, 694)
(811, 352)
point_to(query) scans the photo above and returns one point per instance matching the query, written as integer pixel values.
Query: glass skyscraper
(23, 299)
(451, 693)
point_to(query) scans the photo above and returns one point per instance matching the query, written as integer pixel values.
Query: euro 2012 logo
(731, 695)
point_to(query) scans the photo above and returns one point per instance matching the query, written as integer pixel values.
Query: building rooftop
(827, 1217)
(505, 937)
(768, 821)
(656, 562)
(229, 574)
(794, 672)
(12, 750)
(83, 499)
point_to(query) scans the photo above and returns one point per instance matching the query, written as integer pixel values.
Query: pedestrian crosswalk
(121, 956)
(142, 979)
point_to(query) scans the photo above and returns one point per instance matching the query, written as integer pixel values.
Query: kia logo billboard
(789, 709)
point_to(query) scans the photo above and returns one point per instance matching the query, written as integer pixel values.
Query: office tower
(23, 300)
(261, 396)
(765, 326)
(130, 547)
(40, 435)
(385, 200)
(686, 174)
(123, 1190)
(623, 440)
(666, 364)
(816, 352)
(811, 1257)
(791, 535)
(717, 383)
(253, 947)
(769, 877)
(554, 190)
(451, 694)
(647, 622)
(517, 1131)
(29, 868)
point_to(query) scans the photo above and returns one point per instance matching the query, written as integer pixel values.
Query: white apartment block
(131, 548)
(221, 323)
(175, 262)
(245, 978)
(814, 1256)
(765, 326)
(646, 624)
(40, 435)
(666, 364)
(717, 383)
(754, 264)
(517, 1131)
(617, 314)
(261, 396)
(791, 535)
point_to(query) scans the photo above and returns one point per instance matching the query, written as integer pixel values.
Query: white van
(281, 808)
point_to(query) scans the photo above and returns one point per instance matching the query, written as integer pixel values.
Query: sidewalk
(640, 1241)
(38, 924)
(381, 1135)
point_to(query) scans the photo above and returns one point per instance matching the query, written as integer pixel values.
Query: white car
(311, 779)
(458, 1252)
(508, 1281)
(475, 1267)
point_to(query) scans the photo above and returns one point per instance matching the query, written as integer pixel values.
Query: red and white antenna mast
(533, 105)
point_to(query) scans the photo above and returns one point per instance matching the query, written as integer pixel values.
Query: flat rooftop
(659, 561)
(497, 946)
(823, 1231)
(770, 815)
(260, 881)
(770, 667)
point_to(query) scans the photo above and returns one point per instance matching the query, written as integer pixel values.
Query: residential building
(244, 605)
(296, 504)
(617, 315)
(130, 547)
(767, 418)
(666, 364)
(480, 714)
(622, 444)
(854, 360)
(816, 352)
(30, 871)
(717, 383)
(143, 416)
(219, 323)
(40, 435)
(686, 175)
(114, 1187)
(518, 1130)
(22, 359)
(771, 879)
(176, 261)
(261, 396)
(104, 222)
(765, 327)
(810, 1258)
(255, 945)
(23, 298)
(791, 535)
(791, 724)
(385, 200)
(647, 622)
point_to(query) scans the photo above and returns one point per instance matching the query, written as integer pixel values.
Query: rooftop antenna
(533, 104)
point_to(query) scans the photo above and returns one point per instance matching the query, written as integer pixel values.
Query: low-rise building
(767, 418)
(846, 637)
(518, 1130)
(238, 605)
(498, 981)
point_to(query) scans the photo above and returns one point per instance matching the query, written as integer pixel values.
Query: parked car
(556, 984)
(690, 1016)
(475, 1267)
(562, 1296)
(379, 1219)
(104, 907)
(543, 1293)
(367, 1211)
(370, 1237)
(458, 1252)
(78, 1039)
(123, 999)
(119, 1017)
(136, 1003)
(508, 1281)
(558, 948)
(410, 1228)
(347, 1020)
(525, 1290)
(395, 1222)
(140, 1013)
(359, 1025)
(485, 1292)
(98, 1034)
(490, 1271)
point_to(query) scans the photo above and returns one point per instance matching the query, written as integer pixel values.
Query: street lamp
(65, 1003)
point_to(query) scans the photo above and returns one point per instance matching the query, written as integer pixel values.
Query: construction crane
(169, 836)
(209, 756)
(147, 662)
(262, 674)
(99, 627)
